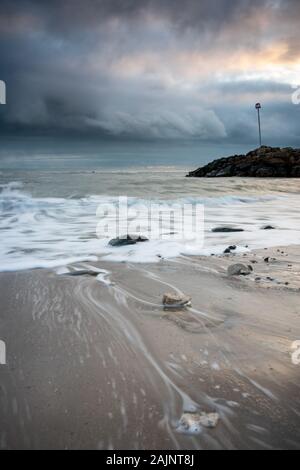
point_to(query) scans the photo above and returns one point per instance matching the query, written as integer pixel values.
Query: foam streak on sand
(137, 370)
(121, 324)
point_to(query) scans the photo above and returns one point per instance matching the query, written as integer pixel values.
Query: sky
(151, 69)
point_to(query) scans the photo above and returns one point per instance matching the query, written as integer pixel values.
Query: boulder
(127, 240)
(227, 171)
(281, 172)
(264, 162)
(229, 249)
(264, 172)
(212, 174)
(238, 269)
(295, 172)
(226, 230)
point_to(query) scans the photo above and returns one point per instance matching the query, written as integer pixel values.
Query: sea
(55, 194)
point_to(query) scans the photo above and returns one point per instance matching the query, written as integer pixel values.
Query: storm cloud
(151, 69)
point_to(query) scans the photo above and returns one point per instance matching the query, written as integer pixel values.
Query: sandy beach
(150, 227)
(98, 363)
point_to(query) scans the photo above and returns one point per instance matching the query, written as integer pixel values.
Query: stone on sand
(238, 269)
(192, 423)
(176, 300)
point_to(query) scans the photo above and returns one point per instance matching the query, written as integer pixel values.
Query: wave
(53, 231)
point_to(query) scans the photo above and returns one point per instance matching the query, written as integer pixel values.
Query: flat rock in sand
(176, 300)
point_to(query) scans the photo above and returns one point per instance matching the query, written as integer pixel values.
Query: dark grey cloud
(147, 68)
(69, 14)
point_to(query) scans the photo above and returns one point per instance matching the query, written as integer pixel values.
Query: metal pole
(259, 128)
(258, 107)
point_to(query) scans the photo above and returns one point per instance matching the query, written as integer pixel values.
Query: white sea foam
(52, 231)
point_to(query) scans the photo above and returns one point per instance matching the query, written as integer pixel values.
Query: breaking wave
(53, 231)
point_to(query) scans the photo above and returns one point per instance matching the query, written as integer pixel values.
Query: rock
(264, 162)
(226, 230)
(264, 172)
(230, 249)
(268, 227)
(127, 240)
(83, 272)
(212, 174)
(191, 423)
(238, 269)
(267, 259)
(176, 301)
(227, 171)
(295, 173)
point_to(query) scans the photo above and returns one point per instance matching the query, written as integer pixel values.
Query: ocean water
(49, 216)
(81, 154)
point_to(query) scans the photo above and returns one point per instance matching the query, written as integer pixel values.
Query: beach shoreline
(98, 363)
(149, 227)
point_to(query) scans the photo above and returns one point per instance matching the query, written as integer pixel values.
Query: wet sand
(97, 363)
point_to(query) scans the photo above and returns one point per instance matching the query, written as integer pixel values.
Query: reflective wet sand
(97, 362)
